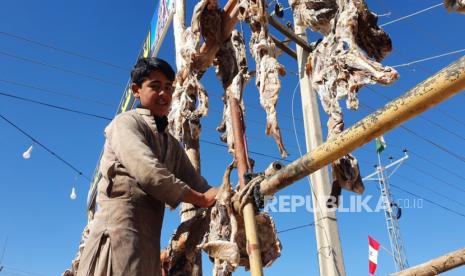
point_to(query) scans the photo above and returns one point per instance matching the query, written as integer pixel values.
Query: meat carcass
(179, 257)
(231, 68)
(226, 241)
(269, 86)
(345, 60)
(268, 69)
(206, 20)
(221, 240)
(455, 5)
(190, 99)
(341, 63)
(189, 104)
(315, 14)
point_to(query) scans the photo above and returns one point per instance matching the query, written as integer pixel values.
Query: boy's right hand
(210, 197)
(204, 200)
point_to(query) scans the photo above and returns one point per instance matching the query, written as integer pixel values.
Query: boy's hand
(204, 200)
(210, 197)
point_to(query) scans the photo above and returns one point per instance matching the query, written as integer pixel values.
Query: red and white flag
(373, 248)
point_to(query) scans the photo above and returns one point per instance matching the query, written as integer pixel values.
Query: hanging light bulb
(73, 195)
(27, 153)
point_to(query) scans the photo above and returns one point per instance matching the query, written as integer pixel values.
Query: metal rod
(283, 47)
(425, 95)
(253, 244)
(290, 33)
(387, 167)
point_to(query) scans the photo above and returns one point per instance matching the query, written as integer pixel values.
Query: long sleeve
(187, 173)
(126, 137)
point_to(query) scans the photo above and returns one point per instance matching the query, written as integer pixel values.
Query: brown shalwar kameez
(143, 169)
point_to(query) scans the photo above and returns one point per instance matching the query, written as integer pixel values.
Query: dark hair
(145, 66)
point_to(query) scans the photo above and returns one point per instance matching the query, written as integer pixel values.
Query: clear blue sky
(43, 226)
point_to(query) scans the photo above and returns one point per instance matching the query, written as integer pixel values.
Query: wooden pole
(425, 95)
(436, 266)
(253, 244)
(330, 258)
(187, 211)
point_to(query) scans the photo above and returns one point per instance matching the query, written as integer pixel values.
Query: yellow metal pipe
(425, 95)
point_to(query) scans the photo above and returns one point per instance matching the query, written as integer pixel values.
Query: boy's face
(155, 93)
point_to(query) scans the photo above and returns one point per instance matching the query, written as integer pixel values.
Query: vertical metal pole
(330, 257)
(253, 244)
(392, 223)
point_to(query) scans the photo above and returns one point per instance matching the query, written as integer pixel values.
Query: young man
(143, 168)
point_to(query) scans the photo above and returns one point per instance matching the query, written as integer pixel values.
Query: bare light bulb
(27, 153)
(73, 195)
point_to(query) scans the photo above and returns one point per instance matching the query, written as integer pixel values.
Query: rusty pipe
(425, 95)
(253, 244)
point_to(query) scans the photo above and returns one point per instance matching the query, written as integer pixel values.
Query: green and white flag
(380, 144)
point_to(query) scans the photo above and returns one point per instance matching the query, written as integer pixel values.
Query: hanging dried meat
(206, 21)
(221, 240)
(268, 69)
(226, 240)
(316, 14)
(231, 68)
(190, 99)
(345, 60)
(455, 5)
(179, 257)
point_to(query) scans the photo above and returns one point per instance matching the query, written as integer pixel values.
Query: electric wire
(44, 147)
(54, 106)
(442, 148)
(428, 58)
(428, 160)
(429, 141)
(428, 200)
(102, 117)
(437, 178)
(425, 172)
(109, 119)
(436, 164)
(64, 51)
(425, 118)
(17, 271)
(426, 188)
(58, 68)
(295, 228)
(430, 36)
(250, 151)
(54, 92)
(430, 189)
(410, 15)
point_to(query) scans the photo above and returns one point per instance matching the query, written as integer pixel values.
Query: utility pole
(330, 257)
(392, 218)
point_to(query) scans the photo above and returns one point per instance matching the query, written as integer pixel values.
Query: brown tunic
(143, 170)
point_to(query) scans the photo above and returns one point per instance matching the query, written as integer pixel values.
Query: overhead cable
(68, 52)
(44, 147)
